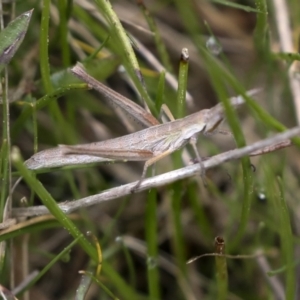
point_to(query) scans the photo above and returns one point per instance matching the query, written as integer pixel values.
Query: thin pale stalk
(274, 282)
(283, 19)
(83, 290)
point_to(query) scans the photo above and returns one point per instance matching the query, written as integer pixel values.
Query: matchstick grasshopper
(150, 144)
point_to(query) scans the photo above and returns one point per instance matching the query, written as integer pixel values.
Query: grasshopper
(150, 144)
(154, 143)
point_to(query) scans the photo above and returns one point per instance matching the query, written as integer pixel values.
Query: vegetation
(243, 224)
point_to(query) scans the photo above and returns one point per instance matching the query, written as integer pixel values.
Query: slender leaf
(12, 36)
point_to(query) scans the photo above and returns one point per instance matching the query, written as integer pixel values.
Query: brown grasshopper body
(138, 146)
(150, 144)
(146, 143)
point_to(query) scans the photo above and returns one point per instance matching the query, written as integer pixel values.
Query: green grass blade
(262, 29)
(129, 59)
(51, 204)
(12, 37)
(4, 173)
(44, 38)
(151, 227)
(49, 265)
(63, 31)
(221, 268)
(182, 83)
(287, 244)
(85, 283)
(161, 48)
(178, 237)
(218, 80)
(43, 102)
(160, 91)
